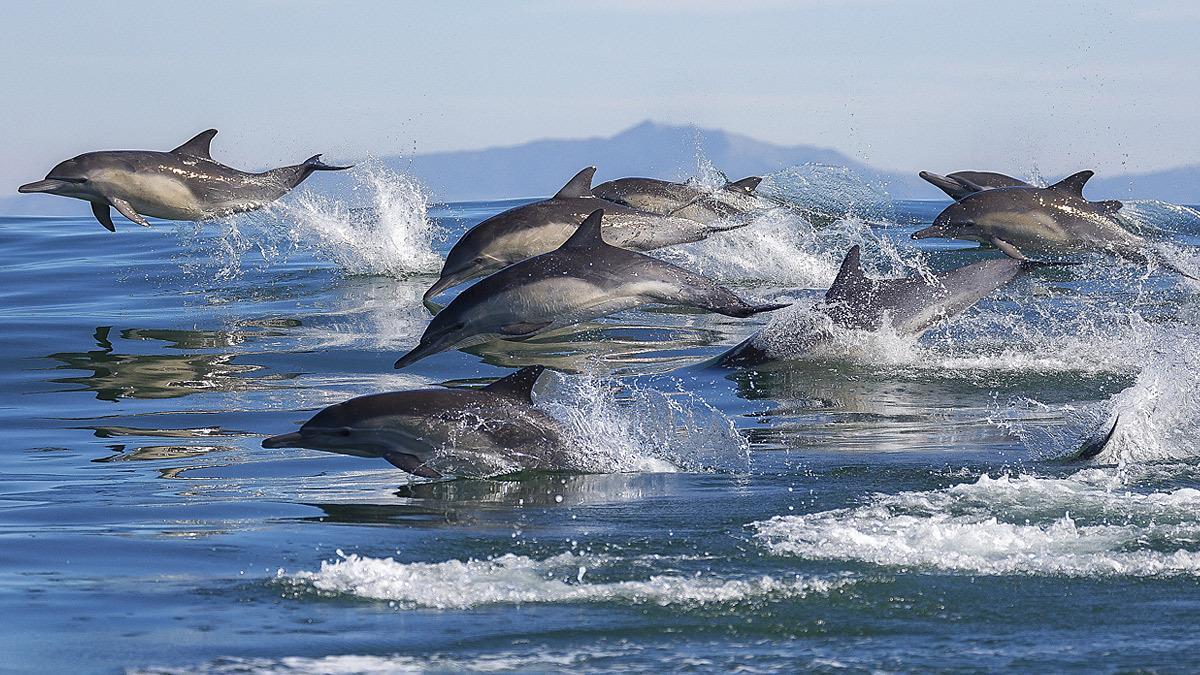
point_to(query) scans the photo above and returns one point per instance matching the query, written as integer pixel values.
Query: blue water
(887, 505)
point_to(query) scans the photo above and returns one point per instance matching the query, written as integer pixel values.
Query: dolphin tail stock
(1096, 444)
(1153, 256)
(1158, 258)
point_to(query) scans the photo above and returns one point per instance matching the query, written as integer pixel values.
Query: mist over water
(832, 509)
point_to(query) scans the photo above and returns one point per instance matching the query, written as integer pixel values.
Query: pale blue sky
(901, 85)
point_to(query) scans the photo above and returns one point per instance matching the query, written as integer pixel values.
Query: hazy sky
(901, 85)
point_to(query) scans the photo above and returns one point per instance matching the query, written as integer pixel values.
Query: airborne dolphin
(688, 200)
(540, 227)
(427, 432)
(963, 183)
(183, 184)
(910, 306)
(1022, 220)
(583, 279)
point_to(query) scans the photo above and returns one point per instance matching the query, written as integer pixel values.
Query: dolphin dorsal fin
(198, 145)
(519, 385)
(580, 185)
(850, 278)
(1074, 183)
(588, 232)
(747, 185)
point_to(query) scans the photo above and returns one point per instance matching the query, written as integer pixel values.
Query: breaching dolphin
(963, 183)
(910, 306)
(183, 184)
(734, 200)
(582, 279)
(540, 227)
(1023, 220)
(423, 430)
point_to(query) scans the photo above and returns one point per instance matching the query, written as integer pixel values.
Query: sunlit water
(883, 503)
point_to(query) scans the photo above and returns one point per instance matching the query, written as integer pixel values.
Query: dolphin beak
(291, 440)
(47, 185)
(419, 352)
(930, 232)
(449, 281)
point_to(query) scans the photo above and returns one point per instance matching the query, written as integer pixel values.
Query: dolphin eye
(344, 432)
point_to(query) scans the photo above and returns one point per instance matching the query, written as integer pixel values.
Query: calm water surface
(885, 505)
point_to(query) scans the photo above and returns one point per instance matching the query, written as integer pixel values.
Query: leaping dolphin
(429, 432)
(183, 184)
(963, 183)
(583, 279)
(690, 200)
(1023, 220)
(910, 306)
(540, 227)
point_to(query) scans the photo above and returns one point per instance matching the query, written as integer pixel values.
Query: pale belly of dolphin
(163, 195)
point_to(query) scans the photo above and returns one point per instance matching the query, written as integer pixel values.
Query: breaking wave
(1083, 525)
(517, 579)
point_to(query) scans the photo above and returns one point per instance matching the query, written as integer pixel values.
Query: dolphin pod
(532, 229)
(183, 184)
(577, 256)
(582, 279)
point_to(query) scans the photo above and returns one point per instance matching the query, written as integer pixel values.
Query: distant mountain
(648, 149)
(539, 168)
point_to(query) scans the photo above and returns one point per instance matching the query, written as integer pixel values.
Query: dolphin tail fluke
(314, 163)
(1096, 444)
(291, 176)
(746, 185)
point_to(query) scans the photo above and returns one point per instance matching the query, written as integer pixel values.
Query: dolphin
(691, 200)
(1021, 220)
(183, 184)
(430, 432)
(963, 183)
(541, 227)
(910, 306)
(582, 279)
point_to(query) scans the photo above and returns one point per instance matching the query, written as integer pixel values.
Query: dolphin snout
(417, 353)
(291, 440)
(930, 232)
(47, 185)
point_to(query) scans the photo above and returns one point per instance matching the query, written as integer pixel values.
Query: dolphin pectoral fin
(126, 209)
(524, 327)
(410, 463)
(1008, 249)
(104, 215)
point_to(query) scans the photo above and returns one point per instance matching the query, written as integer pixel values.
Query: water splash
(386, 232)
(630, 427)
(392, 236)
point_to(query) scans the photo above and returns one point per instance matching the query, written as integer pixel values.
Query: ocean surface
(886, 504)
